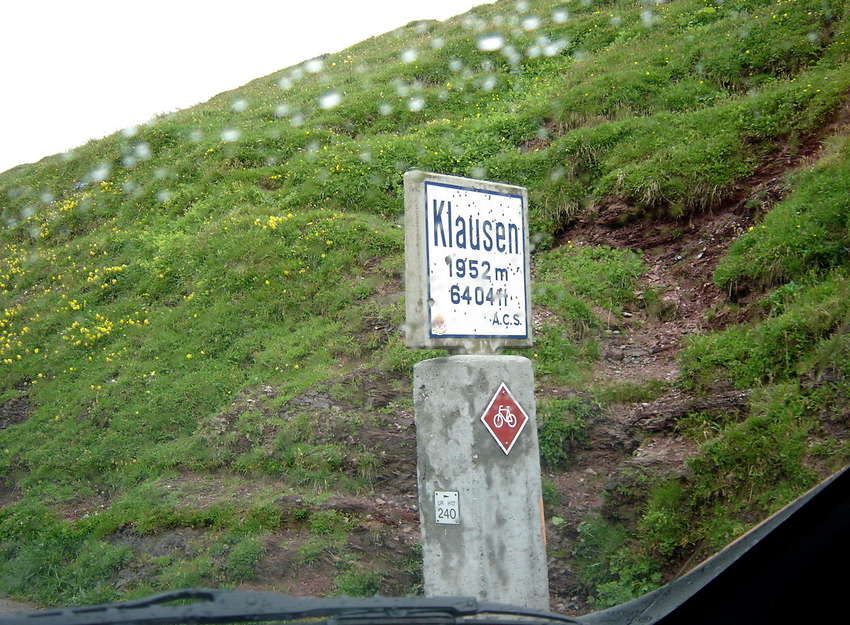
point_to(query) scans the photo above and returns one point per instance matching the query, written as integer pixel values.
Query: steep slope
(203, 377)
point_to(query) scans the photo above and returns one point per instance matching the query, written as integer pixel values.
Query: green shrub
(561, 427)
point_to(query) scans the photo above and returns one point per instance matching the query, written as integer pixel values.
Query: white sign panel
(475, 246)
(446, 507)
(467, 261)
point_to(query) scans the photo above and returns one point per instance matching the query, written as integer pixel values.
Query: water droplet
(409, 55)
(239, 106)
(385, 108)
(196, 135)
(297, 120)
(490, 43)
(230, 134)
(533, 52)
(129, 162)
(284, 83)
(163, 196)
(296, 74)
(559, 16)
(521, 6)
(129, 131)
(142, 151)
(437, 43)
(489, 83)
(281, 110)
(27, 212)
(365, 156)
(557, 173)
(314, 66)
(70, 155)
(100, 173)
(129, 186)
(616, 21)
(553, 48)
(455, 65)
(813, 36)
(416, 104)
(647, 17)
(531, 22)
(330, 99)
(478, 172)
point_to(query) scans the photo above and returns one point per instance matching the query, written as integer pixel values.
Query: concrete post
(494, 547)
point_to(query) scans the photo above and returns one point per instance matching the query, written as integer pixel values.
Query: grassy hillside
(202, 369)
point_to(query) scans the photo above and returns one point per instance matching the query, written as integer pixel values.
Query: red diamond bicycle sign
(504, 418)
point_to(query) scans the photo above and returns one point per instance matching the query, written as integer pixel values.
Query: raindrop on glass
(281, 110)
(416, 104)
(230, 134)
(490, 43)
(330, 99)
(489, 83)
(46, 197)
(409, 55)
(455, 65)
(129, 162)
(647, 17)
(27, 212)
(365, 156)
(99, 174)
(314, 66)
(437, 43)
(559, 16)
(129, 131)
(813, 36)
(521, 6)
(297, 120)
(142, 151)
(296, 74)
(531, 22)
(616, 21)
(196, 135)
(478, 172)
(239, 106)
(163, 196)
(385, 108)
(284, 83)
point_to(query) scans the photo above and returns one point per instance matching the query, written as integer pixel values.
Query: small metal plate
(446, 507)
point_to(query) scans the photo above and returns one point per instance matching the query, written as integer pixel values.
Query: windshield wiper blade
(224, 606)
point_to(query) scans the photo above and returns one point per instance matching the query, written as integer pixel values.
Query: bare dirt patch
(13, 411)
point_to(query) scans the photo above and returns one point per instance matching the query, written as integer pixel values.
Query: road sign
(504, 418)
(466, 262)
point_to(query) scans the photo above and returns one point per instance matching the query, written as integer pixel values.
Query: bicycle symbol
(504, 417)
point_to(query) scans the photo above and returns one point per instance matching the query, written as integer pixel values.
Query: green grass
(562, 427)
(154, 281)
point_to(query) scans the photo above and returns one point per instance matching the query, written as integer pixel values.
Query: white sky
(74, 70)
